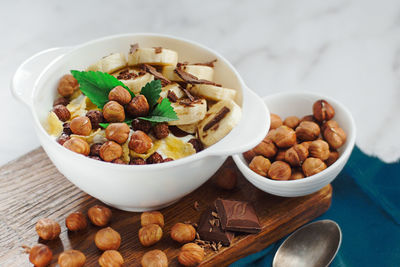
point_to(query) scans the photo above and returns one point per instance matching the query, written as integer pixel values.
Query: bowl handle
(23, 81)
(252, 128)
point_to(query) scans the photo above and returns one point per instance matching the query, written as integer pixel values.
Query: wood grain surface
(32, 188)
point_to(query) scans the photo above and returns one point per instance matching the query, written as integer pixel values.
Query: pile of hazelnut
(296, 148)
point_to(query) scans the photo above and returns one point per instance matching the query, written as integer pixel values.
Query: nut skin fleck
(191, 254)
(307, 131)
(76, 221)
(48, 229)
(150, 234)
(118, 132)
(291, 122)
(296, 155)
(142, 125)
(107, 239)
(226, 178)
(335, 136)
(81, 125)
(260, 165)
(77, 145)
(138, 107)
(111, 258)
(279, 170)
(95, 117)
(152, 217)
(161, 130)
(62, 112)
(313, 166)
(113, 112)
(137, 161)
(323, 111)
(154, 258)
(67, 85)
(140, 142)
(266, 148)
(71, 258)
(110, 151)
(319, 149)
(284, 137)
(183, 233)
(99, 215)
(95, 149)
(120, 95)
(276, 121)
(40, 255)
(154, 158)
(333, 156)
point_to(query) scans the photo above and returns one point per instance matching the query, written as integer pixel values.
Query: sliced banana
(174, 87)
(200, 71)
(212, 92)
(135, 84)
(219, 121)
(191, 113)
(53, 125)
(149, 56)
(189, 128)
(110, 63)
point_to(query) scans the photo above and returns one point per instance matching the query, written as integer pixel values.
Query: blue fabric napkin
(366, 205)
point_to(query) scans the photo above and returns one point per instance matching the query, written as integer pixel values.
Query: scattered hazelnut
(284, 136)
(81, 125)
(154, 258)
(335, 136)
(77, 145)
(280, 155)
(154, 158)
(266, 148)
(260, 165)
(197, 145)
(99, 215)
(161, 130)
(63, 138)
(291, 122)
(67, 85)
(62, 112)
(137, 161)
(61, 101)
(183, 233)
(313, 166)
(333, 156)
(120, 95)
(140, 142)
(296, 155)
(95, 149)
(142, 125)
(296, 174)
(152, 217)
(191, 254)
(319, 149)
(226, 178)
(150, 234)
(276, 121)
(307, 131)
(110, 151)
(40, 255)
(71, 258)
(107, 239)
(138, 107)
(95, 117)
(113, 112)
(48, 229)
(322, 111)
(111, 258)
(249, 155)
(76, 221)
(118, 132)
(279, 170)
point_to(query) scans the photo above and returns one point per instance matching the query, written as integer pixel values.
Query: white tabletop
(349, 50)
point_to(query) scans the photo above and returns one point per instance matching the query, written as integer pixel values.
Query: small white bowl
(300, 104)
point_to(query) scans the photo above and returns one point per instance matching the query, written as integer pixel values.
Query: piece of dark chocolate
(238, 216)
(210, 229)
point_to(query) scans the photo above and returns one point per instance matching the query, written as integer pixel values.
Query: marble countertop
(349, 50)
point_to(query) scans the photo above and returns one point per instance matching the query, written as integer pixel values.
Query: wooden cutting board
(32, 188)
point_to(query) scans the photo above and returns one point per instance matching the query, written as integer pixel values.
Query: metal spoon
(313, 245)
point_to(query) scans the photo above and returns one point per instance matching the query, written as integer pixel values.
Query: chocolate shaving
(172, 96)
(209, 64)
(133, 48)
(189, 95)
(189, 78)
(157, 49)
(126, 75)
(220, 115)
(157, 75)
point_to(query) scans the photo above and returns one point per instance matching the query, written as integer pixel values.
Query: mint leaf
(152, 92)
(105, 124)
(162, 112)
(96, 85)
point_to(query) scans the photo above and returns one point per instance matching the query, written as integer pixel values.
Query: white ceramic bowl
(300, 104)
(131, 187)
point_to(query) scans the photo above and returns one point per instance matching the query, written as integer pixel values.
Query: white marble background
(349, 50)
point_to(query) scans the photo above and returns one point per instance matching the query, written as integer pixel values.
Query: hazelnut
(276, 121)
(48, 229)
(329, 124)
(266, 148)
(95, 117)
(118, 132)
(333, 156)
(140, 142)
(62, 112)
(154, 258)
(306, 144)
(107, 239)
(152, 217)
(322, 111)
(260, 165)
(67, 85)
(154, 159)
(99, 215)
(335, 136)
(61, 101)
(71, 258)
(296, 174)
(291, 122)
(150, 234)
(296, 155)
(63, 138)
(183, 233)
(226, 178)
(319, 149)
(196, 143)
(111, 258)
(308, 118)
(270, 133)
(307, 131)
(138, 107)
(142, 125)
(137, 161)
(280, 155)
(110, 151)
(191, 254)
(161, 130)
(120, 95)
(77, 145)
(76, 221)
(113, 112)
(249, 155)
(284, 137)
(95, 149)
(67, 128)
(279, 170)
(313, 166)
(81, 125)
(40, 255)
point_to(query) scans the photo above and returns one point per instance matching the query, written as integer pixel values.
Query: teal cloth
(366, 205)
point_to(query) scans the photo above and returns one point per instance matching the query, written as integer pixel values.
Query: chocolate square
(238, 216)
(210, 229)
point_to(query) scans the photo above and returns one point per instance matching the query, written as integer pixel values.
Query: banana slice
(189, 128)
(201, 72)
(212, 92)
(149, 56)
(53, 126)
(219, 121)
(189, 113)
(174, 87)
(135, 84)
(110, 63)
